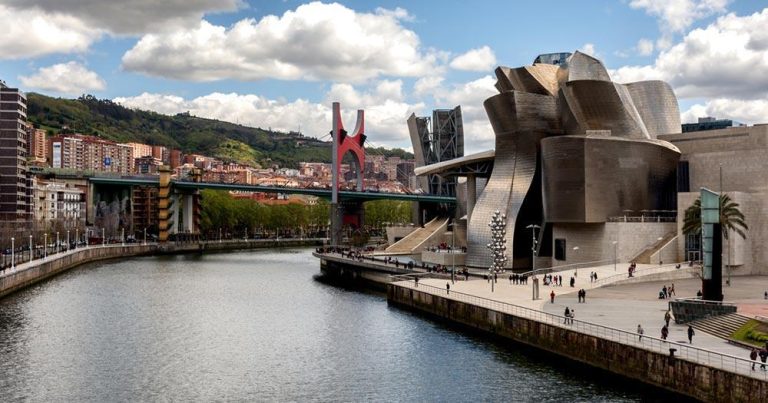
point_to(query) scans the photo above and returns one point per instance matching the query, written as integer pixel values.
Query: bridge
(322, 193)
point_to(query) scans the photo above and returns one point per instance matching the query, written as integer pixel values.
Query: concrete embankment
(687, 377)
(30, 273)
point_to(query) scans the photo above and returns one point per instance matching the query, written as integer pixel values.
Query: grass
(753, 332)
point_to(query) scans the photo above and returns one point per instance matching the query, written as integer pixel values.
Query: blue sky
(280, 64)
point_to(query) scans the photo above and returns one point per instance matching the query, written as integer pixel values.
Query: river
(258, 326)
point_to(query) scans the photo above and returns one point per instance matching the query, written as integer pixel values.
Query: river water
(257, 326)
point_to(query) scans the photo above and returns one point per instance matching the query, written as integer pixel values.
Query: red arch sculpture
(344, 143)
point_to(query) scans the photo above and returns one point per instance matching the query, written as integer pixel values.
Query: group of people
(582, 294)
(553, 280)
(569, 314)
(667, 292)
(593, 277)
(762, 353)
(518, 279)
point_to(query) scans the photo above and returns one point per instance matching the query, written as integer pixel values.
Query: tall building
(140, 150)
(79, 152)
(36, 144)
(14, 196)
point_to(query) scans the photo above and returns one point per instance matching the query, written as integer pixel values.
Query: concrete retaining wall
(692, 379)
(687, 311)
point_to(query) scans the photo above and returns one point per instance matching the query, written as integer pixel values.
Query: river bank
(26, 274)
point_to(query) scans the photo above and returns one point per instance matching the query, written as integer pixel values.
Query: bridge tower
(346, 212)
(165, 203)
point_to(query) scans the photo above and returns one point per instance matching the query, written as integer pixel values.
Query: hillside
(190, 134)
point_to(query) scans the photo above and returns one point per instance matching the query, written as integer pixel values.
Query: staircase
(644, 257)
(414, 241)
(722, 326)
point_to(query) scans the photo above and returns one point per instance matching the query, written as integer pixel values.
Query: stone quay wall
(689, 378)
(27, 274)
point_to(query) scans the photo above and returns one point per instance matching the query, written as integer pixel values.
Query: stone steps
(722, 326)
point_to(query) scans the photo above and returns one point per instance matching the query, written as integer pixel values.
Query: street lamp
(31, 253)
(576, 271)
(497, 246)
(45, 245)
(77, 236)
(103, 237)
(58, 245)
(13, 251)
(534, 243)
(615, 243)
(453, 255)
(122, 236)
(145, 235)
(67, 240)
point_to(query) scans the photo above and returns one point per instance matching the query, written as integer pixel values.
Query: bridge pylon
(346, 213)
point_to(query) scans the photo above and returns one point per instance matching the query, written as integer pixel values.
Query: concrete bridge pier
(346, 214)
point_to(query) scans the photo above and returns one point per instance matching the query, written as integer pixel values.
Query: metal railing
(565, 267)
(638, 273)
(713, 359)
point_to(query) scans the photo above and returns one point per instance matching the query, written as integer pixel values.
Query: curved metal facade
(551, 166)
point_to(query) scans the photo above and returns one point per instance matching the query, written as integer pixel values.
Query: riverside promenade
(603, 332)
(31, 272)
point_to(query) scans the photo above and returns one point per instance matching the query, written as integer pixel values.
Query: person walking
(753, 357)
(690, 334)
(583, 295)
(416, 281)
(640, 332)
(667, 317)
(447, 288)
(567, 315)
(664, 332)
(573, 313)
(763, 358)
(552, 297)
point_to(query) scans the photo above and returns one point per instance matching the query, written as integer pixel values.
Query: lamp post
(497, 246)
(615, 243)
(103, 237)
(58, 245)
(576, 271)
(145, 235)
(31, 251)
(219, 234)
(45, 245)
(453, 255)
(67, 240)
(13, 253)
(122, 236)
(77, 236)
(534, 243)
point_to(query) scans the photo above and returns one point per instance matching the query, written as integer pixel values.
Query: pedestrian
(667, 317)
(560, 280)
(416, 281)
(552, 297)
(510, 279)
(573, 313)
(567, 315)
(753, 357)
(690, 334)
(583, 295)
(447, 288)
(664, 332)
(595, 276)
(640, 332)
(672, 290)
(573, 281)
(664, 291)
(763, 358)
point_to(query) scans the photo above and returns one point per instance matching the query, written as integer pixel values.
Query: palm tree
(731, 218)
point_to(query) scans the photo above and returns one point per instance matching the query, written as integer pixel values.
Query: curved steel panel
(657, 105)
(603, 105)
(587, 179)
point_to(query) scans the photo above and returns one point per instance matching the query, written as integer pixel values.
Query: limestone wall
(595, 241)
(692, 379)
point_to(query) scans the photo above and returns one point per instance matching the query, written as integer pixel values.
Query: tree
(731, 218)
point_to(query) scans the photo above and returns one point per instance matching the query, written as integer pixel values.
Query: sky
(280, 64)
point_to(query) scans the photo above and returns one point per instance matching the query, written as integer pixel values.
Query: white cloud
(588, 48)
(427, 85)
(725, 60)
(744, 111)
(131, 16)
(677, 15)
(34, 32)
(480, 59)
(478, 134)
(316, 41)
(385, 110)
(644, 47)
(70, 78)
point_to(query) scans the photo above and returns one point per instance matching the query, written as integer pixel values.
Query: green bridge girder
(324, 193)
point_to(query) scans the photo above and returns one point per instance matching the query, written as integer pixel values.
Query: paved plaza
(622, 306)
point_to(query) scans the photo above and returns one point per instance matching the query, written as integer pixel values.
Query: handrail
(703, 301)
(567, 267)
(646, 271)
(714, 359)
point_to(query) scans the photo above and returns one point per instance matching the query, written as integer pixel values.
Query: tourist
(573, 313)
(664, 291)
(672, 290)
(765, 295)
(595, 276)
(567, 315)
(447, 288)
(416, 281)
(667, 317)
(690, 334)
(560, 281)
(552, 297)
(763, 358)
(573, 281)
(753, 357)
(664, 332)
(510, 279)
(640, 332)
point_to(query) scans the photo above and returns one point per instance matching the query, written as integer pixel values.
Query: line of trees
(231, 217)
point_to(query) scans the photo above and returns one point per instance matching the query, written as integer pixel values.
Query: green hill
(190, 134)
